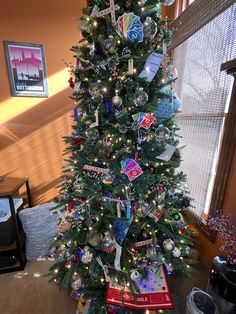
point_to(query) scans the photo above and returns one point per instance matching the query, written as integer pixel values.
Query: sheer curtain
(204, 91)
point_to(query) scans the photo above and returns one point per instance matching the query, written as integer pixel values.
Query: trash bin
(199, 302)
(223, 285)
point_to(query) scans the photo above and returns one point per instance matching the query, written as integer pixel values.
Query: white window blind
(204, 91)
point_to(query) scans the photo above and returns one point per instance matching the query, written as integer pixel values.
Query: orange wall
(207, 249)
(31, 128)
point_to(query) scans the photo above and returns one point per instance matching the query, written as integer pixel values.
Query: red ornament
(71, 206)
(71, 82)
(77, 140)
(160, 188)
(136, 156)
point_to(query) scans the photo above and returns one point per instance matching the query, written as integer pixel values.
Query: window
(205, 93)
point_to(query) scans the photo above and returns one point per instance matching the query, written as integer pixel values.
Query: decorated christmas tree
(122, 197)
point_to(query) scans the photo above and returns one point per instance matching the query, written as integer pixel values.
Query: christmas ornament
(149, 28)
(95, 240)
(176, 217)
(117, 100)
(96, 169)
(63, 226)
(111, 10)
(185, 202)
(95, 88)
(172, 73)
(151, 67)
(131, 168)
(130, 67)
(162, 133)
(84, 306)
(128, 5)
(141, 244)
(167, 154)
(108, 180)
(123, 129)
(76, 282)
(142, 3)
(141, 208)
(135, 275)
(126, 53)
(130, 27)
(109, 44)
(144, 120)
(109, 242)
(76, 114)
(168, 245)
(87, 255)
(152, 253)
(96, 123)
(141, 97)
(176, 252)
(168, 2)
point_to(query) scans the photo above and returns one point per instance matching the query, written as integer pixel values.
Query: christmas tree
(122, 227)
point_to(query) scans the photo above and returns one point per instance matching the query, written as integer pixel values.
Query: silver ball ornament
(117, 100)
(162, 133)
(123, 129)
(76, 284)
(176, 252)
(168, 245)
(94, 240)
(172, 73)
(149, 28)
(87, 255)
(141, 97)
(135, 275)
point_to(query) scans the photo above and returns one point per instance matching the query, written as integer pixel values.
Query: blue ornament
(108, 105)
(76, 117)
(166, 108)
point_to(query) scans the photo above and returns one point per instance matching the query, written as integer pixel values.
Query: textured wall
(31, 128)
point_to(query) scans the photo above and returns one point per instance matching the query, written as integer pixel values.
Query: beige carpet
(29, 292)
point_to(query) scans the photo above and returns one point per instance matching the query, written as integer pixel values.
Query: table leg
(18, 244)
(28, 192)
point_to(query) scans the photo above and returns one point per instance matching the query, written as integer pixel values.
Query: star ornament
(111, 10)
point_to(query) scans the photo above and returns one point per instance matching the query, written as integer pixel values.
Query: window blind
(204, 91)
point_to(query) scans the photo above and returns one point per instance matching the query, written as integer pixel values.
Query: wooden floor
(29, 292)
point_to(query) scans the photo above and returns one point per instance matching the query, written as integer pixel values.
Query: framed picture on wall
(26, 69)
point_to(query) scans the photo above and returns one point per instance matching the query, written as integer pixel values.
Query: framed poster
(26, 69)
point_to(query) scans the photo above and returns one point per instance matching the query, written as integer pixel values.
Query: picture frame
(26, 69)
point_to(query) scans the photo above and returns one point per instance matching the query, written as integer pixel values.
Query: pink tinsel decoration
(227, 231)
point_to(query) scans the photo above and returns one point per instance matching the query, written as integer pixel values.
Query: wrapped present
(153, 293)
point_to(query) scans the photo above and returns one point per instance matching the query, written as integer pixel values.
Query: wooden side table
(8, 188)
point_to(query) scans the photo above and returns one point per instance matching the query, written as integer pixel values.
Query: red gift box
(154, 293)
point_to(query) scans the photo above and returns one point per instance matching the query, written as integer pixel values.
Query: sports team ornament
(111, 10)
